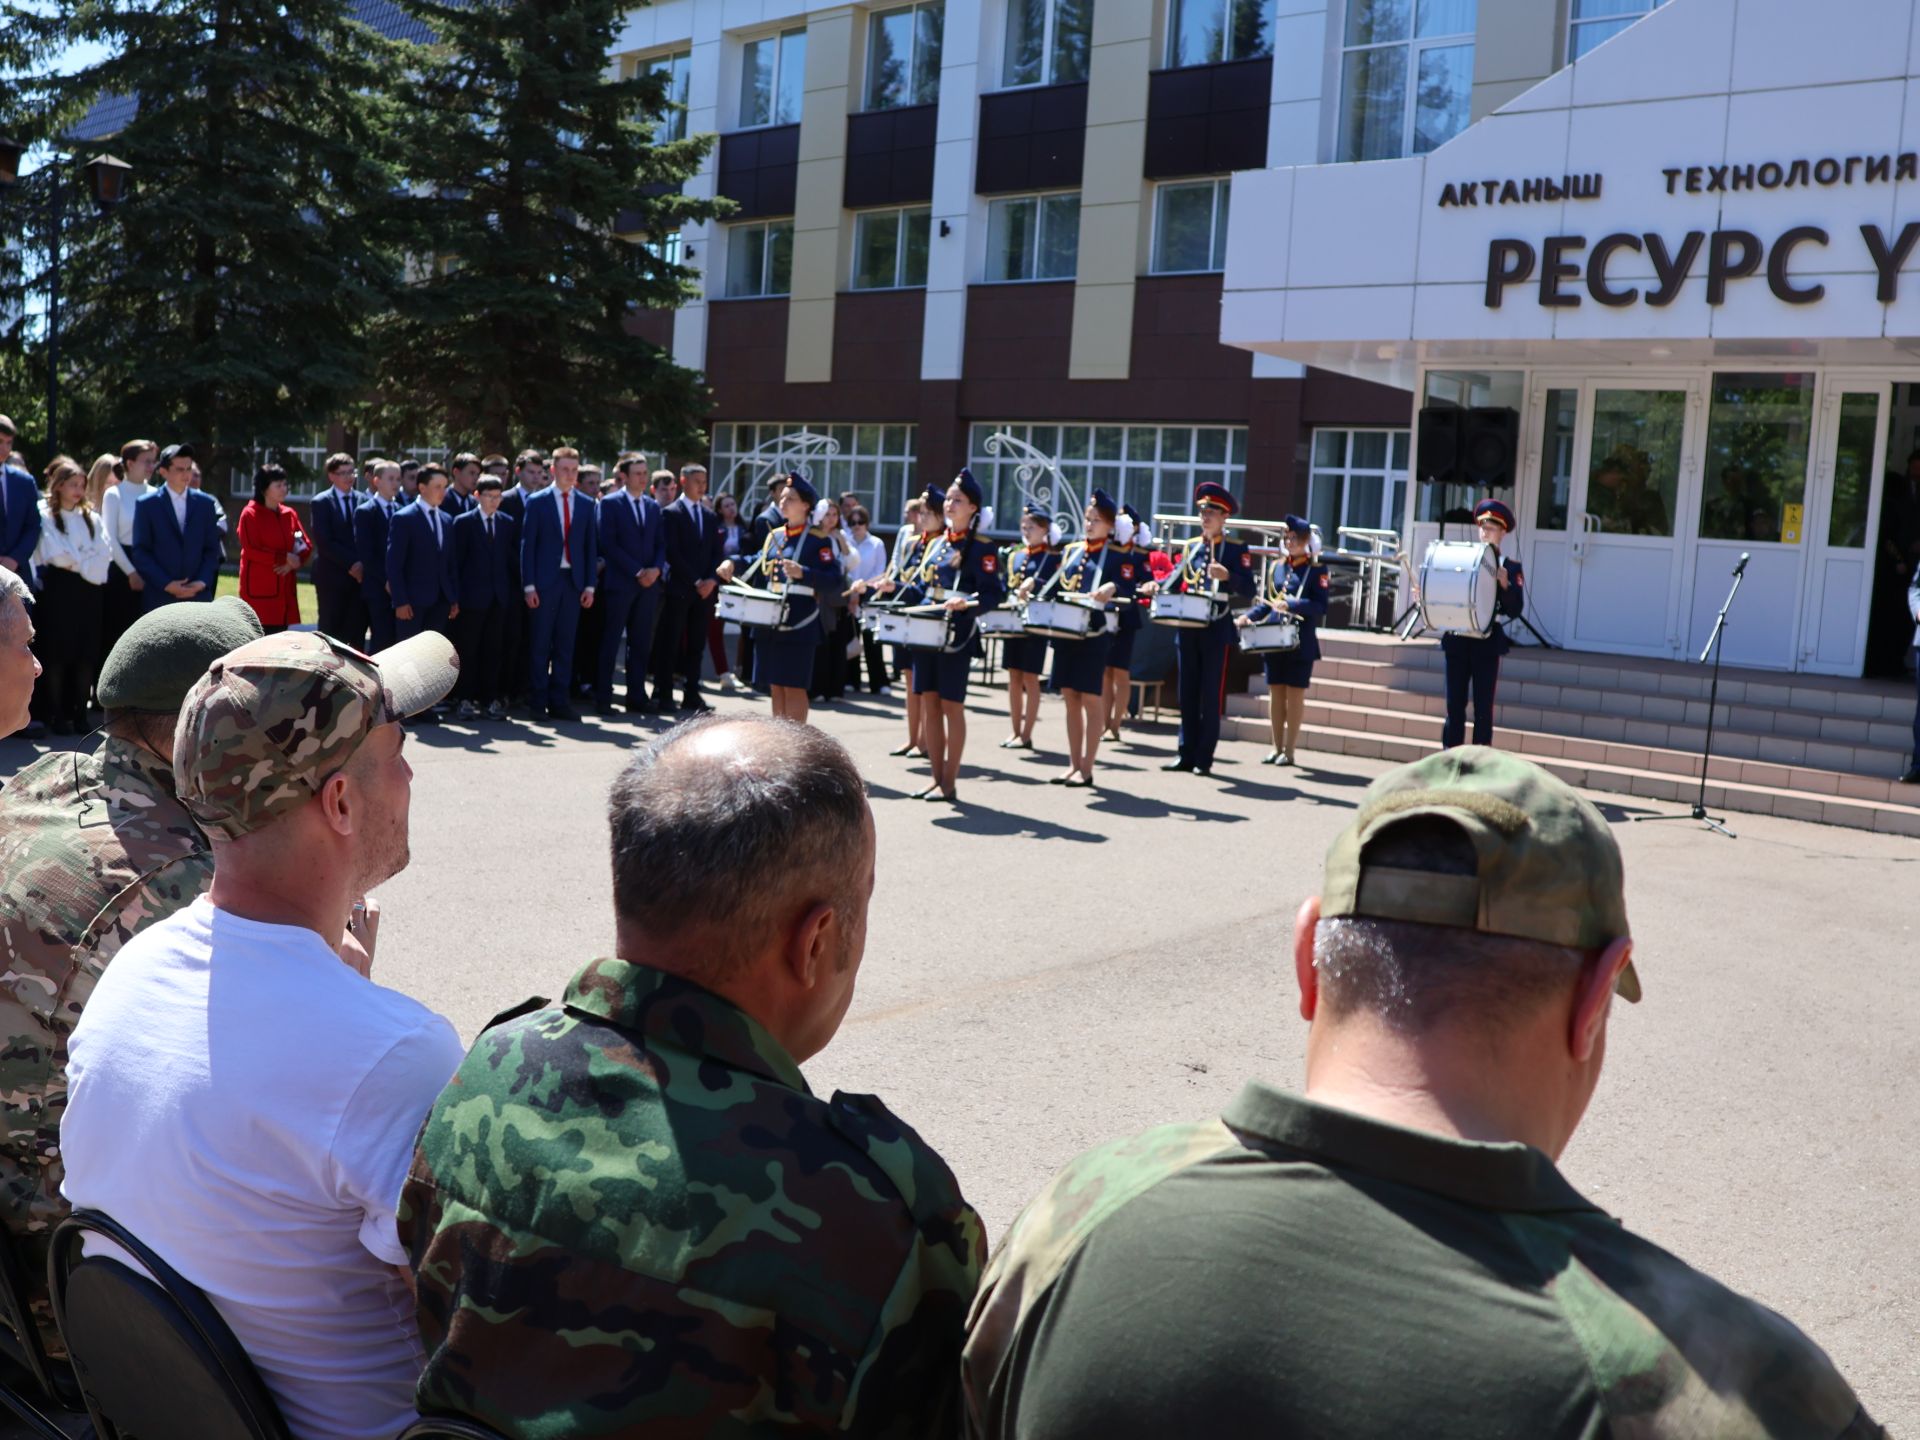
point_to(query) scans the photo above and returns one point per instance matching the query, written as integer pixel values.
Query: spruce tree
(529, 158)
(226, 301)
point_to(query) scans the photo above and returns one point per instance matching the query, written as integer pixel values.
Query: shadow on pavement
(972, 819)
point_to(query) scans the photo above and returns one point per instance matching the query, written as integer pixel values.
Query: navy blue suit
(20, 525)
(695, 548)
(1202, 652)
(1473, 662)
(343, 611)
(162, 552)
(488, 563)
(554, 624)
(633, 537)
(453, 504)
(370, 526)
(421, 570)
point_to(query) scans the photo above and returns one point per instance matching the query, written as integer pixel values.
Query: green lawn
(309, 606)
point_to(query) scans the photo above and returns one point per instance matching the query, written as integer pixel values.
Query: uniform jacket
(371, 523)
(541, 536)
(453, 504)
(633, 537)
(489, 570)
(694, 544)
(1301, 590)
(787, 1265)
(969, 566)
(330, 525)
(20, 530)
(268, 537)
(1031, 562)
(164, 553)
(421, 570)
(812, 550)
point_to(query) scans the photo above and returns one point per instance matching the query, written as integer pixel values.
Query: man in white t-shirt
(242, 1099)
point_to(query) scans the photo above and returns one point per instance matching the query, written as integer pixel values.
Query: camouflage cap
(267, 724)
(1549, 869)
(155, 664)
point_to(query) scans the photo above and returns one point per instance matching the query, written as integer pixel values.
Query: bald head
(19, 667)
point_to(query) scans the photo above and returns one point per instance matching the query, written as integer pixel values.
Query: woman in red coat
(273, 547)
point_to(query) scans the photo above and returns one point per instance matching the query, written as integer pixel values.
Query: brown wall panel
(876, 361)
(1342, 400)
(653, 326)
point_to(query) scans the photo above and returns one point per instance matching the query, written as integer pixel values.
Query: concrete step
(1642, 782)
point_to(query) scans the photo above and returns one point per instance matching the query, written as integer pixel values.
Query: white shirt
(89, 556)
(564, 500)
(179, 498)
(247, 1105)
(116, 509)
(870, 558)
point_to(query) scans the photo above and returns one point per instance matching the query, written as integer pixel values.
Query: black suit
(487, 559)
(370, 525)
(343, 609)
(695, 548)
(513, 504)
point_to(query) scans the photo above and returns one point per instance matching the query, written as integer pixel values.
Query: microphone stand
(1714, 647)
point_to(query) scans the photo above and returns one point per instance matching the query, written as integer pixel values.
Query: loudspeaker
(1490, 447)
(1441, 428)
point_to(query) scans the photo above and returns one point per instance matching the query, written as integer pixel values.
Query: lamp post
(107, 180)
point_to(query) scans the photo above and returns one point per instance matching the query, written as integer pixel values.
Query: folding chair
(52, 1383)
(446, 1427)
(153, 1357)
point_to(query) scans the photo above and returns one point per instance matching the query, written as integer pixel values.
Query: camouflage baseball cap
(268, 723)
(1549, 867)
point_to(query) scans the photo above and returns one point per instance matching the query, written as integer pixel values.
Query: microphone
(1741, 568)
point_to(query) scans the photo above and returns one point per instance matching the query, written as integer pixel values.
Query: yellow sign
(1790, 521)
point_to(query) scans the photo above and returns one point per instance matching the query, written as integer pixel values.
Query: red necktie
(566, 522)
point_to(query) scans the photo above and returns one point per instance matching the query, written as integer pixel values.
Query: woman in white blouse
(71, 564)
(124, 605)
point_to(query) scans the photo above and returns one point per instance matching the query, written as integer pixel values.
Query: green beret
(155, 664)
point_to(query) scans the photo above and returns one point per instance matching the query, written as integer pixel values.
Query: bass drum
(1459, 587)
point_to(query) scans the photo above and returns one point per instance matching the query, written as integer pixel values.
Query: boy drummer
(1473, 661)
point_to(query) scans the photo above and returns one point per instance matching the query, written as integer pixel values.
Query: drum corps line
(949, 586)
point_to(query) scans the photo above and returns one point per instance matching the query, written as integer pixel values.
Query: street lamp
(107, 179)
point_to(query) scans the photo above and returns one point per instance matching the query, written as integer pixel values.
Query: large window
(1593, 21)
(1359, 478)
(903, 56)
(1759, 428)
(890, 249)
(773, 70)
(1150, 467)
(875, 462)
(1406, 76)
(1047, 42)
(1205, 32)
(760, 259)
(1190, 227)
(1033, 237)
(676, 69)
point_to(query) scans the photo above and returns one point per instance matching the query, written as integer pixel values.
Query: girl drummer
(1130, 571)
(1080, 666)
(1296, 584)
(904, 577)
(966, 578)
(798, 561)
(1028, 567)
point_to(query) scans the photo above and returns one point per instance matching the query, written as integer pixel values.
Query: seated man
(1394, 1254)
(242, 1100)
(680, 1239)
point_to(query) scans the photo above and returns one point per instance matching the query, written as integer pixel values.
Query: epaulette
(927, 1187)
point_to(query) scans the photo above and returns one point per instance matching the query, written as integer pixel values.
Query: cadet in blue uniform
(1130, 572)
(1296, 585)
(1472, 660)
(905, 582)
(1027, 566)
(1089, 568)
(966, 577)
(1210, 563)
(794, 559)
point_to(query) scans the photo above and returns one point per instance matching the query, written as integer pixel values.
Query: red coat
(267, 538)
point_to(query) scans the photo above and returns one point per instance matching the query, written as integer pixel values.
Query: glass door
(1843, 508)
(1634, 477)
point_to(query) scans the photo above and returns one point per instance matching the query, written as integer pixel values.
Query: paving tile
(1620, 702)
(1832, 757)
(1643, 682)
(1667, 708)
(1781, 750)
(1897, 822)
(1769, 694)
(1672, 762)
(1813, 782)
(1796, 722)
(1890, 737)
(1843, 730)
(1861, 787)
(1631, 756)
(1604, 727)
(1799, 807)
(1865, 704)
(1642, 732)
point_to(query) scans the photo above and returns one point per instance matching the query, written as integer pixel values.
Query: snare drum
(1281, 632)
(1067, 619)
(917, 630)
(751, 608)
(1185, 612)
(1459, 587)
(999, 622)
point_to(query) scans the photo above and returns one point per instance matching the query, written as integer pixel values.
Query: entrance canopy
(1727, 183)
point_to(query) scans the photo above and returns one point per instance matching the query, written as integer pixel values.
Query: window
(875, 462)
(1358, 478)
(772, 71)
(890, 249)
(1407, 76)
(1190, 227)
(903, 56)
(1594, 21)
(760, 259)
(1150, 467)
(1047, 42)
(1759, 428)
(677, 70)
(667, 248)
(1205, 32)
(1033, 237)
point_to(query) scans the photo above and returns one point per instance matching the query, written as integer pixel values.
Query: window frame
(734, 233)
(1039, 198)
(1216, 226)
(679, 115)
(874, 18)
(1575, 24)
(892, 462)
(1415, 46)
(1394, 482)
(901, 213)
(778, 36)
(1156, 483)
(1173, 61)
(1049, 29)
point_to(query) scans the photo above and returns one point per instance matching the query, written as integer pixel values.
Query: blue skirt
(1120, 650)
(1293, 668)
(785, 657)
(937, 670)
(1081, 665)
(1025, 652)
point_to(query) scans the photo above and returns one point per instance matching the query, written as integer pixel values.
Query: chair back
(153, 1357)
(448, 1427)
(34, 1382)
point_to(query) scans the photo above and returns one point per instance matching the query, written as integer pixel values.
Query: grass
(309, 603)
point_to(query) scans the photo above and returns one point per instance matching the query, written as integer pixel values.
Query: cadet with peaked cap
(94, 849)
(267, 1167)
(905, 582)
(1394, 1253)
(1296, 585)
(1028, 566)
(1473, 661)
(1133, 567)
(962, 574)
(1090, 571)
(796, 560)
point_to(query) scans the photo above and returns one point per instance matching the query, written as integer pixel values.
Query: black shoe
(606, 710)
(564, 712)
(694, 705)
(1912, 777)
(1178, 765)
(642, 706)
(1203, 769)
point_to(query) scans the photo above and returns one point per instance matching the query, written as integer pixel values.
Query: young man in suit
(486, 553)
(19, 507)
(463, 473)
(420, 564)
(593, 622)
(695, 549)
(633, 544)
(372, 522)
(559, 552)
(337, 567)
(176, 535)
(529, 479)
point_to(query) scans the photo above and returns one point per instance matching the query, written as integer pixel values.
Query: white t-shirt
(247, 1105)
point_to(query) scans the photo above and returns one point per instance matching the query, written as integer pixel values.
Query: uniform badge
(989, 563)
(1126, 572)
(1246, 561)
(1324, 583)
(826, 555)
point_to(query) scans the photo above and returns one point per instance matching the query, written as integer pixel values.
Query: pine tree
(227, 300)
(529, 159)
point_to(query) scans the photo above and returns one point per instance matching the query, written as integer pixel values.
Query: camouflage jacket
(94, 849)
(629, 1216)
(1293, 1269)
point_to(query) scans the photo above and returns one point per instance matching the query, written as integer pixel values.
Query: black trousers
(631, 617)
(68, 620)
(380, 625)
(425, 617)
(830, 660)
(876, 658)
(124, 606)
(343, 610)
(586, 642)
(680, 643)
(480, 635)
(1472, 665)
